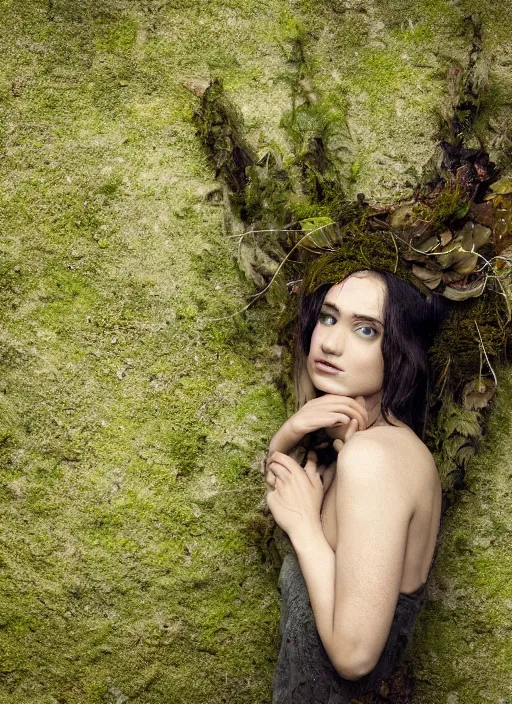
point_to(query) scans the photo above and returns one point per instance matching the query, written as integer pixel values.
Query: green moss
(450, 205)
(102, 342)
(114, 36)
(460, 640)
(130, 454)
(414, 35)
(461, 543)
(457, 343)
(385, 68)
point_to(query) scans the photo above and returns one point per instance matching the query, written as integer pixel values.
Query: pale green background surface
(132, 426)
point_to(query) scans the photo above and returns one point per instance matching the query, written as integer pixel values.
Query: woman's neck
(373, 406)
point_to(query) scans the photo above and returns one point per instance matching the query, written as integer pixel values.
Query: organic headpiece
(453, 238)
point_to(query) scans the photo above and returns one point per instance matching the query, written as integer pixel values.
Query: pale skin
(364, 529)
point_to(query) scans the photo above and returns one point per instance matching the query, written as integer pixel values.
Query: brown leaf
(483, 213)
(466, 263)
(477, 393)
(446, 237)
(481, 235)
(432, 279)
(462, 293)
(451, 276)
(411, 256)
(428, 245)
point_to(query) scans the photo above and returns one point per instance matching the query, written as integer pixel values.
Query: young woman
(364, 526)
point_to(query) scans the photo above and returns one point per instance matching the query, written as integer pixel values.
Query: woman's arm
(285, 440)
(353, 592)
(324, 412)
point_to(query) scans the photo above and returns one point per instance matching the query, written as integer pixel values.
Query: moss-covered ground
(463, 646)
(132, 559)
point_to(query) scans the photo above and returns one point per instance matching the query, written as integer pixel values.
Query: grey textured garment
(304, 674)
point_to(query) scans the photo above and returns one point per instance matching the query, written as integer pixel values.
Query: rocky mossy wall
(135, 563)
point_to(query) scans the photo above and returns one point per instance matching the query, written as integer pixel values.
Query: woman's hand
(345, 434)
(294, 494)
(329, 411)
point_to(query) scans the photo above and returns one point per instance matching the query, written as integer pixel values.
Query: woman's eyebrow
(358, 316)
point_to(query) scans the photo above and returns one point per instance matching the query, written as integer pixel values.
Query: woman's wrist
(307, 535)
(294, 429)
(286, 439)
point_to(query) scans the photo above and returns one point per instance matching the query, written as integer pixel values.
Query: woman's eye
(327, 319)
(367, 331)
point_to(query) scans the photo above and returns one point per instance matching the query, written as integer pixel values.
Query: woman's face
(345, 356)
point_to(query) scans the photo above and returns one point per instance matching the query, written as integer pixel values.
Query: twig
(485, 353)
(258, 295)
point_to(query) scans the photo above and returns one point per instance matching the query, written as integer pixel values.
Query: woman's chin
(326, 388)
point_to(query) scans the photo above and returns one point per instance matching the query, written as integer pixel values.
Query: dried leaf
(445, 237)
(462, 293)
(456, 250)
(432, 279)
(483, 213)
(451, 276)
(465, 236)
(503, 224)
(466, 263)
(411, 256)
(448, 257)
(478, 392)
(481, 235)
(459, 253)
(428, 245)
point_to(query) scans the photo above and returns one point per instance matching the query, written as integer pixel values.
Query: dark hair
(410, 324)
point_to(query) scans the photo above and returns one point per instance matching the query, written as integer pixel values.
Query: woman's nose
(332, 344)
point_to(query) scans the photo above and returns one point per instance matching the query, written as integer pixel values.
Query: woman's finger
(352, 429)
(351, 411)
(338, 445)
(344, 419)
(361, 419)
(357, 403)
(311, 468)
(348, 402)
(279, 471)
(360, 400)
(285, 461)
(270, 478)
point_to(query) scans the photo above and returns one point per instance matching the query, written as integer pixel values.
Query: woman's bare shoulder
(396, 445)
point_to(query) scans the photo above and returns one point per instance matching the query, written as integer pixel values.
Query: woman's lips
(326, 368)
